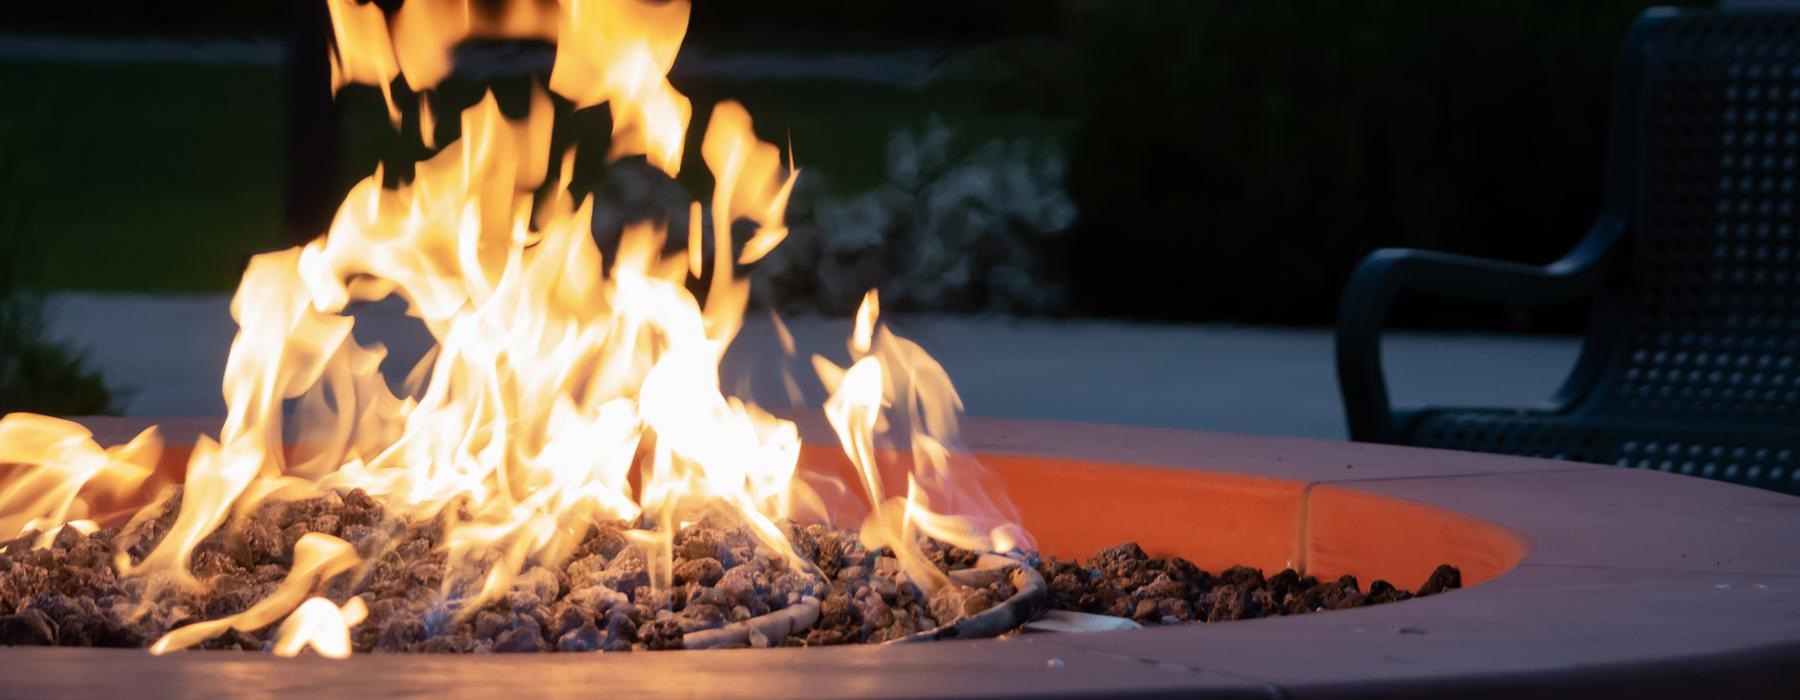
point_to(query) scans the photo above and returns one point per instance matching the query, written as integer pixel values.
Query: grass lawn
(164, 178)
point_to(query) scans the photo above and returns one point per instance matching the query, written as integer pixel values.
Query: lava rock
(28, 628)
(694, 618)
(661, 634)
(523, 636)
(1443, 578)
(1244, 577)
(566, 618)
(1146, 611)
(586, 571)
(401, 634)
(1120, 561)
(830, 557)
(605, 540)
(1383, 592)
(744, 584)
(835, 612)
(1162, 587)
(828, 636)
(599, 597)
(701, 543)
(954, 602)
(585, 638)
(705, 571)
(620, 632)
(1184, 572)
(1174, 609)
(1283, 584)
(627, 571)
(872, 613)
(598, 600)
(540, 582)
(805, 543)
(1230, 603)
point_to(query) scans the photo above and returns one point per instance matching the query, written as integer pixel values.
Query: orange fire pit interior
(1074, 508)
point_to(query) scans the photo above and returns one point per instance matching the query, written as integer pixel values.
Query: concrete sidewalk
(170, 353)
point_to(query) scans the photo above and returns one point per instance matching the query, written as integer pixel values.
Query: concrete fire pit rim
(1629, 577)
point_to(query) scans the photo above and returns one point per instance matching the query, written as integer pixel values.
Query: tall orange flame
(556, 376)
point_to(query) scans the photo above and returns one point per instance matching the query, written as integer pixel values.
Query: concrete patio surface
(169, 352)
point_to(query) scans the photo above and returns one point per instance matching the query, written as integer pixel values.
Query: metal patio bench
(1691, 363)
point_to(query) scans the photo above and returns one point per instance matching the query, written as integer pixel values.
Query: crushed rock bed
(69, 594)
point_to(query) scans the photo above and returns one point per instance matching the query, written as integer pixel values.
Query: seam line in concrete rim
(1303, 532)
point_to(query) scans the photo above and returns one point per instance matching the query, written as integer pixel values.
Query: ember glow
(565, 389)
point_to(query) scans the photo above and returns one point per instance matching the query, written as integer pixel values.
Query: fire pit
(563, 472)
(1583, 579)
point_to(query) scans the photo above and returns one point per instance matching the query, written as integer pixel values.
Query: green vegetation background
(1231, 160)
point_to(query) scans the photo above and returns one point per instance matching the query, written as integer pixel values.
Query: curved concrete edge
(1022, 668)
(1632, 581)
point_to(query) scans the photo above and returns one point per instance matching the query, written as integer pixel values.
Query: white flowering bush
(943, 232)
(946, 233)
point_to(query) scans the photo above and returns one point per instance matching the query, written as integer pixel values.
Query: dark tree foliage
(1237, 159)
(1231, 160)
(774, 21)
(36, 374)
(39, 376)
(778, 21)
(136, 17)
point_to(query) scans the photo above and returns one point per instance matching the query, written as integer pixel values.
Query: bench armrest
(1385, 273)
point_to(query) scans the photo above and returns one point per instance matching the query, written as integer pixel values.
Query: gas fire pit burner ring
(1583, 579)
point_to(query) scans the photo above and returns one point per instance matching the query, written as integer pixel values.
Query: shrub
(36, 374)
(951, 230)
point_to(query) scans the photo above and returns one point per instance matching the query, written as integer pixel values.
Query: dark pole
(311, 128)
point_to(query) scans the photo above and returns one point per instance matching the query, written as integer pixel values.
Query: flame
(62, 469)
(317, 558)
(747, 182)
(321, 625)
(891, 372)
(619, 52)
(364, 53)
(862, 335)
(423, 35)
(564, 389)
